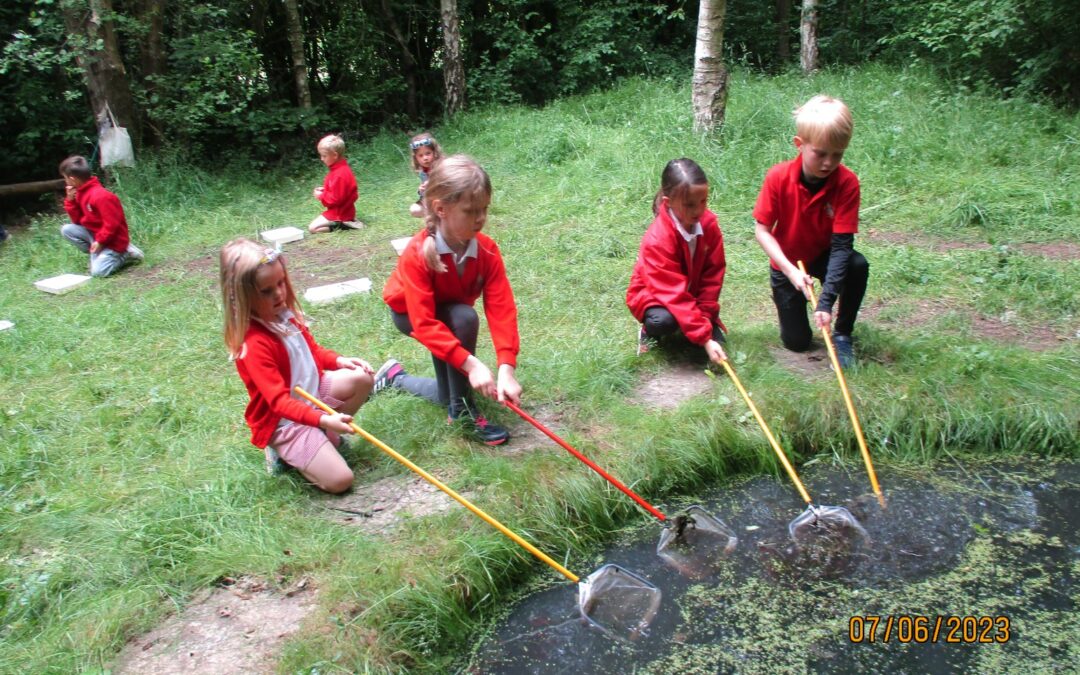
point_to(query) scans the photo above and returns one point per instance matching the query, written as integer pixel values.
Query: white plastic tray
(320, 295)
(65, 283)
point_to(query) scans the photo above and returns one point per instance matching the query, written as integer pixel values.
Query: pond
(992, 549)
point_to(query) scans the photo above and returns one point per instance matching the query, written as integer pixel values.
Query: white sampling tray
(282, 235)
(400, 244)
(64, 283)
(320, 295)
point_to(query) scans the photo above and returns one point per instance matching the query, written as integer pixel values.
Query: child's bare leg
(351, 387)
(328, 471)
(320, 224)
(416, 210)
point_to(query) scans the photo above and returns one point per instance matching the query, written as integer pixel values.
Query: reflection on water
(991, 540)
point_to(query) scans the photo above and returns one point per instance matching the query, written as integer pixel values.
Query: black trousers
(791, 304)
(660, 322)
(451, 387)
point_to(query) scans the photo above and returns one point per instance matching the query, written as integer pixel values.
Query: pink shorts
(297, 444)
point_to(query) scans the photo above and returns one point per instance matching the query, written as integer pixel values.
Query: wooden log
(35, 188)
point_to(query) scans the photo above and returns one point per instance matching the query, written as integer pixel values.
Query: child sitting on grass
(425, 152)
(676, 282)
(441, 273)
(338, 192)
(808, 210)
(98, 225)
(273, 350)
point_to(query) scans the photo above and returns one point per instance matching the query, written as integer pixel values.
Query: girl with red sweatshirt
(444, 269)
(273, 350)
(675, 286)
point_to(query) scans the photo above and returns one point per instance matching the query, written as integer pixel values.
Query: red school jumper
(804, 224)
(99, 211)
(665, 275)
(339, 192)
(264, 368)
(416, 290)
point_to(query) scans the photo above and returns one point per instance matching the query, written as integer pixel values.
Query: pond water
(997, 542)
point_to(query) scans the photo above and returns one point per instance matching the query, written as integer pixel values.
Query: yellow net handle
(847, 397)
(437, 483)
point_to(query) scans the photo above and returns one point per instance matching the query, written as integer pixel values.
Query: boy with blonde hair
(338, 192)
(808, 210)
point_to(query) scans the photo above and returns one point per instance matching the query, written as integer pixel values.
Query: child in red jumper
(808, 210)
(425, 152)
(444, 269)
(98, 225)
(338, 192)
(273, 350)
(675, 286)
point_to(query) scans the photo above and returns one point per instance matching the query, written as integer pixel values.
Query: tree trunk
(408, 62)
(808, 54)
(783, 20)
(296, 50)
(710, 76)
(453, 69)
(90, 26)
(152, 53)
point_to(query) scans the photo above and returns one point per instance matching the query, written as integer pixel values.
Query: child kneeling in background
(338, 192)
(676, 282)
(273, 350)
(98, 225)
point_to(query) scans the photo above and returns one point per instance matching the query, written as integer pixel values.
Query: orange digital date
(929, 629)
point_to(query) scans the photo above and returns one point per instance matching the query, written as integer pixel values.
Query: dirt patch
(237, 628)
(814, 361)
(672, 385)
(524, 437)
(313, 261)
(379, 507)
(1055, 250)
(1005, 328)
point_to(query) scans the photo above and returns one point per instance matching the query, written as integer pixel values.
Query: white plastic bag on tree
(114, 143)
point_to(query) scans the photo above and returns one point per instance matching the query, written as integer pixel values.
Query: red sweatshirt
(416, 290)
(339, 192)
(666, 276)
(99, 211)
(264, 368)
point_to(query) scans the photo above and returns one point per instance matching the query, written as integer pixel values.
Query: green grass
(127, 481)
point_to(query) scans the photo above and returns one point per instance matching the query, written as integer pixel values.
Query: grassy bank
(127, 481)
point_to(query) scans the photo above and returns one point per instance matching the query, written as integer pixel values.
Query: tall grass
(127, 481)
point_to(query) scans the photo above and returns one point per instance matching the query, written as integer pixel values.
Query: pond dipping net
(618, 602)
(693, 540)
(819, 525)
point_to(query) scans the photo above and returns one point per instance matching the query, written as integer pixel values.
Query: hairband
(421, 143)
(269, 256)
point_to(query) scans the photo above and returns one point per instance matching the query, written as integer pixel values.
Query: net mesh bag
(618, 601)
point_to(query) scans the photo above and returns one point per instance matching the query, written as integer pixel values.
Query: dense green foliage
(224, 81)
(127, 482)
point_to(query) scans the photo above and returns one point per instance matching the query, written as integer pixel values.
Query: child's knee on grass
(328, 470)
(320, 224)
(351, 386)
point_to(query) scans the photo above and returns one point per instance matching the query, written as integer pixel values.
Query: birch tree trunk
(710, 76)
(89, 23)
(453, 70)
(808, 53)
(296, 51)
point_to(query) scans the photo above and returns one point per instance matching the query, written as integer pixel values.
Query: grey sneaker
(352, 224)
(845, 351)
(274, 464)
(386, 375)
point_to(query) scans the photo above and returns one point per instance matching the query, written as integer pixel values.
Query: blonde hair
(451, 179)
(333, 143)
(240, 259)
(824, 120)
(417, 142)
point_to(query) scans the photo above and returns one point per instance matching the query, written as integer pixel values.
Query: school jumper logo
(829, 210)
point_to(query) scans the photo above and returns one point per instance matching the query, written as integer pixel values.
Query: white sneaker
(134, 254)
(352, 224)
